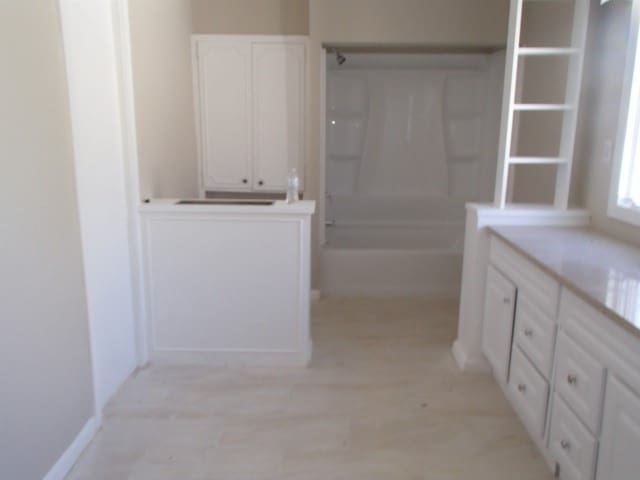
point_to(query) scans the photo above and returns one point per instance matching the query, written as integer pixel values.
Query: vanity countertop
(179, 206)
(602, 271)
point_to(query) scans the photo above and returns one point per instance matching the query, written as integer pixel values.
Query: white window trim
(627, 144)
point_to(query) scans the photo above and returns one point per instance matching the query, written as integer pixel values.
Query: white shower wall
(411, 138)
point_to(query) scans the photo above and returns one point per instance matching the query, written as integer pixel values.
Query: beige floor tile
(382, 399)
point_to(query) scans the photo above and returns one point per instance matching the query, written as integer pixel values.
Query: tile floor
(382, 399)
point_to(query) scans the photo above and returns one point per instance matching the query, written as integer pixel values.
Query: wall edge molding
(68, 459)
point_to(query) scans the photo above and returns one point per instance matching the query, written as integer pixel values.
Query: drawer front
(530, 392)
(542, 289)
(535, 333)
(571, 444)
(580, 381)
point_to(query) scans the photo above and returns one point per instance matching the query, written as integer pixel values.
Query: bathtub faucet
(329, 211)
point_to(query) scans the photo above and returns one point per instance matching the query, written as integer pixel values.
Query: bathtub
(393, 260)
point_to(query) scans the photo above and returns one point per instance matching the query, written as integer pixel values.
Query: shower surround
(411, 138)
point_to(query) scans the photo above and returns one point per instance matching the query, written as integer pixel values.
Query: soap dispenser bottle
(293, 186)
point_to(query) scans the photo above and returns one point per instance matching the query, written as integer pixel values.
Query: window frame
(628, 137)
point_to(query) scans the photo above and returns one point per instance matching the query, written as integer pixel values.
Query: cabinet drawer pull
(261, 182)
(522, 387)
(565, 444)
(572, 379)
(244, 180)
(528, 332)
(506, 300)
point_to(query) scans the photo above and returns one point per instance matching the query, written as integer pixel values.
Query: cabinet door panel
(224, 69)
(620, 443)
(278, 113)
(500, 299)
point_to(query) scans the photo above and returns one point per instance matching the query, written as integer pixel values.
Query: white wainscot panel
(233, 289)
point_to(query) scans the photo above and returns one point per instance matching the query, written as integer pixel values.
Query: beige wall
(481, 23)
(258, 17)
(605, 64)
(46, 390)
(161, 56)
(432, 22)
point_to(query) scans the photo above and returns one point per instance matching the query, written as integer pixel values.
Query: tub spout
(329, 212)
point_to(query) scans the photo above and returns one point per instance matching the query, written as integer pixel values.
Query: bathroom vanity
(227, 282)
(562, 334)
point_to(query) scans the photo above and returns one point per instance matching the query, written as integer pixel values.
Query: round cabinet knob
(244, 180)
(572, 379)
(261, 182)
(528, 332)
(522, 387)
(565, 444)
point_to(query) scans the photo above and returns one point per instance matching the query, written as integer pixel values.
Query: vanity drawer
(530, 392)
(571, 444)
(580, 381)
(542, 289)
(535, 333)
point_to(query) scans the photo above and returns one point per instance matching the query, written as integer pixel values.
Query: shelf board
(537, 161)
(542, 107)
(547, 51)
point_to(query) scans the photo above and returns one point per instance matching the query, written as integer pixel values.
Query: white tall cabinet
(250, 99)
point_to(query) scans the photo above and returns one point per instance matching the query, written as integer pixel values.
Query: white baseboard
(468, 363)
(68, 459)
(315, 295)
(458, 354)
(300, 358)
(424, 292)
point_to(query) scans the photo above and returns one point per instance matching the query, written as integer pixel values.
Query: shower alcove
(410, 138)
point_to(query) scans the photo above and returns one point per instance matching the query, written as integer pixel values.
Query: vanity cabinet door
(278, 112)
(224, 81)
(620, 442)
(499, 308)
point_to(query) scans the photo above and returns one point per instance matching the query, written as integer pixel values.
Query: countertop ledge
(279, 207)
(602, 271)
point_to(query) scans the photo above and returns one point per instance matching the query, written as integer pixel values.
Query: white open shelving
(568, 108)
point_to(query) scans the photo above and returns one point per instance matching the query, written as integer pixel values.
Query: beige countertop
(602, 271)
(278, 207)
